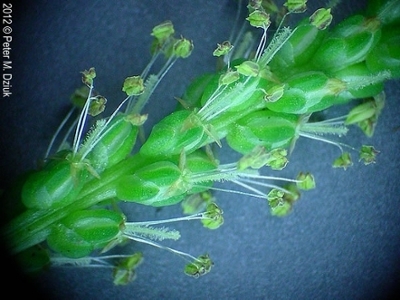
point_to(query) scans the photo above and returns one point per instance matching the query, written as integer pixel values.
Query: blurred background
(340, 242)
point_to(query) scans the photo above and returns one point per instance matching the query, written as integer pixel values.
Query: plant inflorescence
(260, 101)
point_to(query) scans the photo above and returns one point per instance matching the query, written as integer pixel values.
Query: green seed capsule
(115, 145)
(56, 185)
(349, 43)
(298, 49)
(303, 92)
(196, 163)
(262, 128)
(386, 54)
(68, 243)
(192, 96)
(154, 184)
(172, 135)
(359, 81)
(81, 232)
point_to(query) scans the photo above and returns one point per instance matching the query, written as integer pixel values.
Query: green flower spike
(88, 76)
(163, 31)
(343, 161)
(200, 266)
(183, 48)
(296, 6)
(259, 19)
(306, 181)
(248, 68)
(321, 18)
(97, 105)
(133, 86)
(213, 216)
(125, 271)
(223, 49)
(368, 154)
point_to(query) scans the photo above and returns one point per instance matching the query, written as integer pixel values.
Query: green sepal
(361, 112)
(349, 42)
(34, 259)
(264, 128)
(57, 184)
(68, 242)
(303, 92)
(385, 56)
(171, 136)
(134, 189)
(193, 93)
(298, 50)
(79, 97)
(116, 143)
(96, 226)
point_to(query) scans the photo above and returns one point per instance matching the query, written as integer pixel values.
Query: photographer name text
(7, 39)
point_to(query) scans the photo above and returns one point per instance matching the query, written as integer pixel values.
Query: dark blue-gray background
(340, 242)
